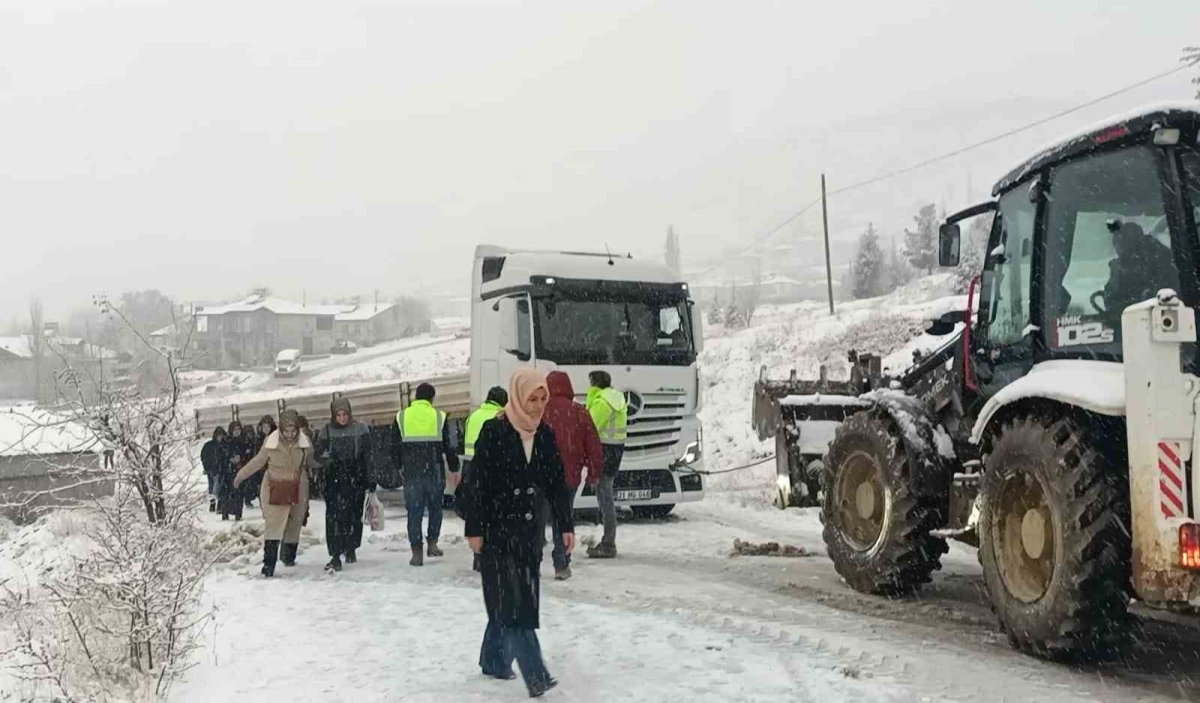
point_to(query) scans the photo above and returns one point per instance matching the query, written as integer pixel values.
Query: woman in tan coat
(286, 454)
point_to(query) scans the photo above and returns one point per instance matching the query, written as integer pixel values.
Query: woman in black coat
(516, 467)
(239, 452)
(344, 447)
(213, 458)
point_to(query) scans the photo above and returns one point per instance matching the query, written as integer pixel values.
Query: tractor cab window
(1108, 246)
(1005, 281)
(1191, 171)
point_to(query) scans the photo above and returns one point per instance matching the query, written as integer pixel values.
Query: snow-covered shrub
(119, 616)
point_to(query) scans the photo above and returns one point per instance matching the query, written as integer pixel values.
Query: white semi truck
(577, 312)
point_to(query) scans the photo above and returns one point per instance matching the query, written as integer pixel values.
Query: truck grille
(656, 428)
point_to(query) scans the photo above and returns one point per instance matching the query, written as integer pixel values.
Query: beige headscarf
(523, 383)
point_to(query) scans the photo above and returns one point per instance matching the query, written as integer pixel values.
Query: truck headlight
(692, 452)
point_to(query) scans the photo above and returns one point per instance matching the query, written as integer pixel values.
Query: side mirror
(949, 237)
(508, 325)
(697, 327)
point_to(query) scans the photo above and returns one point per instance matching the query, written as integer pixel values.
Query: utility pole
(828, 265)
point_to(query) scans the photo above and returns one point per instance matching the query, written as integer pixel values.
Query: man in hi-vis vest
(426, 448)
(610, 412)
(497, 398)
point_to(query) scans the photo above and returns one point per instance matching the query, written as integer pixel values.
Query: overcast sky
(336, 147)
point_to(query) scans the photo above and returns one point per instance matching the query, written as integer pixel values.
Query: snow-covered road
(674, 618)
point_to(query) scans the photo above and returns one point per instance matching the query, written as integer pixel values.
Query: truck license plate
(644, 494)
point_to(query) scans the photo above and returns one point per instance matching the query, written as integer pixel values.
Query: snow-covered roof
(17, 346)
(164, 332)
(279, 306)
(28, 430)
(363, 313)
(1035, 159)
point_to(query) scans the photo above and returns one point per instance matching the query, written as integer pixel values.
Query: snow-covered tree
(897, 271)
(869, 265)
(124, 621)
(920, 245)
(674, 258)
(1191, 56)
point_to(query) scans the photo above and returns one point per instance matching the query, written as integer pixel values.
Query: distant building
(39, 452)
(368, 324)
(20, 376)
(252, 331)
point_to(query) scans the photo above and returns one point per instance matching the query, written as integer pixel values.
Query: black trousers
(501, 645)
(343, 518)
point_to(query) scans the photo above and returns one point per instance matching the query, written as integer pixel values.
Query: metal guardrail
(373, 405)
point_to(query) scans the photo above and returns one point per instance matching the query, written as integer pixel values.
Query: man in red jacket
(579, 444)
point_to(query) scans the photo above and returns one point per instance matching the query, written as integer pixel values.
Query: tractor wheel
(876, 530)
(1053, 538)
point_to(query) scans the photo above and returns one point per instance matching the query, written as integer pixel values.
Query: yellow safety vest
(421, 422)
(487, 411)
(610, 412)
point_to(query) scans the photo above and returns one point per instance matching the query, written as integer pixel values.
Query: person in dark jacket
(212, 458)
(229, 496)
(250, 445)
(343, 446)
(516, 467)
(253, 485)
(424, 446)
(579, 446)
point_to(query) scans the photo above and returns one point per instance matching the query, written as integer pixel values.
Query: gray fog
(324, 149)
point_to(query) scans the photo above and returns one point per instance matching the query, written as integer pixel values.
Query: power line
(948, 155)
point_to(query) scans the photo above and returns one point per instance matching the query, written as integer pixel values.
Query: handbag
(287, 492)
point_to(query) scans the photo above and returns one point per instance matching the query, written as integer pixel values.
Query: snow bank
(445, 356)
(31, 430)
(802, 336)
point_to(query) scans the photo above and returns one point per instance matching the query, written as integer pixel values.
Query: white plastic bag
(373, 512)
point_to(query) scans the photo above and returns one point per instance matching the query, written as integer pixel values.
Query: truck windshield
(627, 330)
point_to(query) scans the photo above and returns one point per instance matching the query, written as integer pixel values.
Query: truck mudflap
(1161, 427)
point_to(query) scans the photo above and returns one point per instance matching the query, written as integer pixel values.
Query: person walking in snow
(579, 445)
(213, 459)
(516, 467)
(425, 448)
(287, 455)
(343, 447)
(229, 496)
(610, 412)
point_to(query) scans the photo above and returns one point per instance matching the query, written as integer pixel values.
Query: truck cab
(580, 312)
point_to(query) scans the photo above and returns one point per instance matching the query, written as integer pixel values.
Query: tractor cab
(1081, 231)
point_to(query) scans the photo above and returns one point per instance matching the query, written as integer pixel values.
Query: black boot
(335, 564)
(287, 553)
(351, 557)
(433, 549)
(212, 505)
(270, 555)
